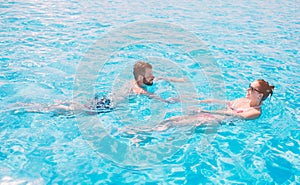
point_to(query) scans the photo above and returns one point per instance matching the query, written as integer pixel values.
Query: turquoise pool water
(45, 52)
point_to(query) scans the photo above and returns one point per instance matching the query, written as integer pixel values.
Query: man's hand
(172, 100)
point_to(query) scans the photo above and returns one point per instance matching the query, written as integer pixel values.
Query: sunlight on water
(72, 50)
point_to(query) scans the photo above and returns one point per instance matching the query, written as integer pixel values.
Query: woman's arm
(250, 114)
(214, 101)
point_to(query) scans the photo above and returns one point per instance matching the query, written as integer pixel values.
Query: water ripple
(42, 43)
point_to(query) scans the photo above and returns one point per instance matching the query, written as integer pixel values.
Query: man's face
(148, 78)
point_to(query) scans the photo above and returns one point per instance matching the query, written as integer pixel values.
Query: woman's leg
(193, 120)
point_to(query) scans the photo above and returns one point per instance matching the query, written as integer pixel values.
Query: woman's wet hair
(140, 69)
(265, 88)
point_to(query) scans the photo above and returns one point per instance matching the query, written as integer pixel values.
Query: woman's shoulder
(232, 102)
(241, 99)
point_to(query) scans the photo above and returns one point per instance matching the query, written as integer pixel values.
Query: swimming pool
(44, 46)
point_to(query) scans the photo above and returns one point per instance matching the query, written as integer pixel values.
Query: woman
(244, 108)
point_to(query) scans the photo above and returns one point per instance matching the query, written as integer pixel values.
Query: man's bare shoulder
(137, 89)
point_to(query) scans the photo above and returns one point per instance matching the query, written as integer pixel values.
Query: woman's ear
(260, 95)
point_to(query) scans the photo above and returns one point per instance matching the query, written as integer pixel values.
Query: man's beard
(147, 82)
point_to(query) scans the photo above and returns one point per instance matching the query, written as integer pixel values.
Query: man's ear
(140, 78)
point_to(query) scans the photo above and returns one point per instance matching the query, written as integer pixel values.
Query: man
(143, 77)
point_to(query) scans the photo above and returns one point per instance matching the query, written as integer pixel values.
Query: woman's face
(253, 92)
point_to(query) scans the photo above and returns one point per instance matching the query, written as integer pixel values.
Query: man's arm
(173, 79)
(169, 100)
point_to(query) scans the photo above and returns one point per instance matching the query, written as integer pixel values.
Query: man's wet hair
(140, 69)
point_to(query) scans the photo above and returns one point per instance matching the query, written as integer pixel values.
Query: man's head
(142, 72)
